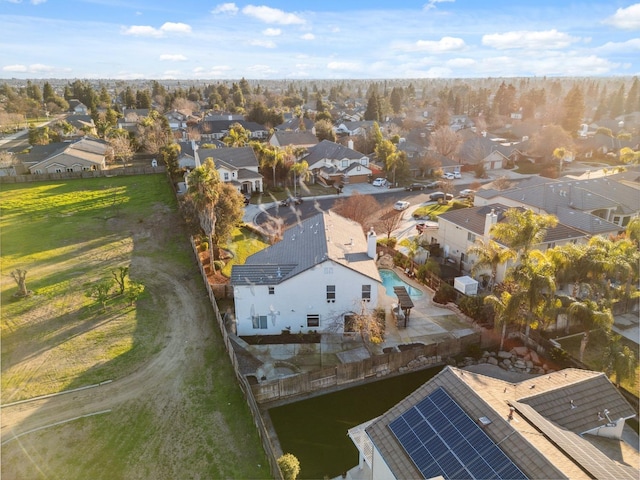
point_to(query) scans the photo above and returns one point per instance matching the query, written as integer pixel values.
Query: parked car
(414, 186)
(448, 176)
(401, 205)
(380, 182)
(467, 192)
(440, 196)
(291, 200)
(435, 184)
(457, 174)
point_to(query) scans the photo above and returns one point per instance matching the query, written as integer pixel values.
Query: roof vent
(484, 421)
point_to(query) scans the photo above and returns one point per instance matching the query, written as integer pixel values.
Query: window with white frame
(226, 176)
(471, 237)
(366, 293)
(313, 320)
(272, 290)
(331, 293)
(259, 322)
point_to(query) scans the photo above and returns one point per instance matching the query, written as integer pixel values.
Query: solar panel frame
(441, 439)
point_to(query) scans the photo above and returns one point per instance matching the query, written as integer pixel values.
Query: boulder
(534, 358)
(519, 351)
(503, 354)
(492, 361)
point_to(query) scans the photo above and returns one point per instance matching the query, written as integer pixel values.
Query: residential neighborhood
(317, 236)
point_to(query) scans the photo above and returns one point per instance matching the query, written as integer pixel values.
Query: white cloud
(432, 3)
(263, 43)
(172, 27)
(348, 66)
(149, 31)
(272, 32)
(172, 57)
(445, 44)
(626, 18)
(529, 39)
(33, 68)
(308, 36)
(619, 47)
(229, 8)
(461, 62)
(272, 15)
(37, 2)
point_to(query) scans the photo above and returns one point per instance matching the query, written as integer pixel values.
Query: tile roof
(325, 236)
(540, 447)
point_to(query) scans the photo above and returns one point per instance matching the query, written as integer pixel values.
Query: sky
(323, 39)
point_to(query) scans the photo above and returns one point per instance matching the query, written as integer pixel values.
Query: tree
(562, 154)
(619, 359)
(324, 130)
(522, 229)
(122, 147)
(359, 208)
(229, 209)
(100, 291)
(120, 277)
(573, 111)
(586, 313)
(301, 175)
(169, 154)
(203, 192)
(20, 277)
(505, 309)
(154, 132)
(289, 466)
(446, 142)
(389, 221)
(547, 139)
(489, 254)
(133, 291)
(238, 136)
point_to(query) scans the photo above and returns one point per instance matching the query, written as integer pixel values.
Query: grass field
(184, 415)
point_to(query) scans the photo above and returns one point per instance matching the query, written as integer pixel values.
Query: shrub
(445, 294)
(400, 260)
(219, 264)
(475, 308)
(204, 246)
(389, 242)
(289, 466)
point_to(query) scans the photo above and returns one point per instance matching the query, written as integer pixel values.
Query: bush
(389, 242)
(289, 466)
(475, 308)
(204, 246)
(219, 264)
(400, 260)
(445, 294)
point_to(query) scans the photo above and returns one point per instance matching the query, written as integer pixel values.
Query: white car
(457, 175)
(448, 176)
(401, 205)
(467, 192)
(380, 182)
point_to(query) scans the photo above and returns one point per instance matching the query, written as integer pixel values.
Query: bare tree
(120, 277)
(389, 221)
(122, 148)
(359, 208)
(20, 277)
(446, 142)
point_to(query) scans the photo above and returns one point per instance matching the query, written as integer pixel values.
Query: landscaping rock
(535, 358)
(519, 351)
(492, 361)
(503, 354)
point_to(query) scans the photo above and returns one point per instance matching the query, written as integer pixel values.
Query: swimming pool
(391, 279)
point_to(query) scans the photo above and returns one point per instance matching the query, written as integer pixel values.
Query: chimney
(372, 240)
(490, 220)
(350, 144)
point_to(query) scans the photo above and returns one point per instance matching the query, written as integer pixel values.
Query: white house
(316, 278)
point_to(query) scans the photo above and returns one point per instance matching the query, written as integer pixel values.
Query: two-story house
(317, 278)
(332, 162)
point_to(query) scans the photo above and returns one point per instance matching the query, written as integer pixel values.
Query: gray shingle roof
(288, 137)
(331, 150)
(240, 157)
(531, 441)
(325, 236)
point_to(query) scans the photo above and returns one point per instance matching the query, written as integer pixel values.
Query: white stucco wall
(380, 470)
(300, 296)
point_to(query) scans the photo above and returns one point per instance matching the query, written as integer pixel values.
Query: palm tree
(203, 191)
(577, 264)
(490, 255)
(301, 174)
(619, 359)
(237, 137)
(523, 229)
(505, 308)
(536, 286)
(587, 314)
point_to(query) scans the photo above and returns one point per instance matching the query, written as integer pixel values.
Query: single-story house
(317, 278)
(569, 424)
(81, 155)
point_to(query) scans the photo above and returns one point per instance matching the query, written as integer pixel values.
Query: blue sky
(278, 39)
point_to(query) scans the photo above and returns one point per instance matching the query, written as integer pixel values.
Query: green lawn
(68, 235)
(432, 210)
(244, 243)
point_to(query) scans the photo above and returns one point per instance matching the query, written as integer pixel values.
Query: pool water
(391, 279)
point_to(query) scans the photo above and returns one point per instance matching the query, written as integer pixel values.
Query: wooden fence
(114, 172)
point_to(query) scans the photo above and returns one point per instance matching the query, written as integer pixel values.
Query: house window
(345, 163)
(463, 258)
(69, 169)
(331, 293)
(363, 161)
(38, 172)
(366, 293)
(58, 170)
(272, 290)
(313, 320)
(226, 176)
(259, 322)
(471, 237)
(358, 168)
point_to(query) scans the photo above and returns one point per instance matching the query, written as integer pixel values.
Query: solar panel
(441, 439)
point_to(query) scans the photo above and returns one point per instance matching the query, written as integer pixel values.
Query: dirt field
(179, 414)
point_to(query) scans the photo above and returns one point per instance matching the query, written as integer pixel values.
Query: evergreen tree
(633, 97)
(573, 110)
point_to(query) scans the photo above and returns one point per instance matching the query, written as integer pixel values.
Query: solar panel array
(441, 439)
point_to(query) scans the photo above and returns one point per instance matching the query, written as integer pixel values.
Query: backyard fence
(45, 177)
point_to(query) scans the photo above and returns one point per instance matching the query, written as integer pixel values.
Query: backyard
(169, 406)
